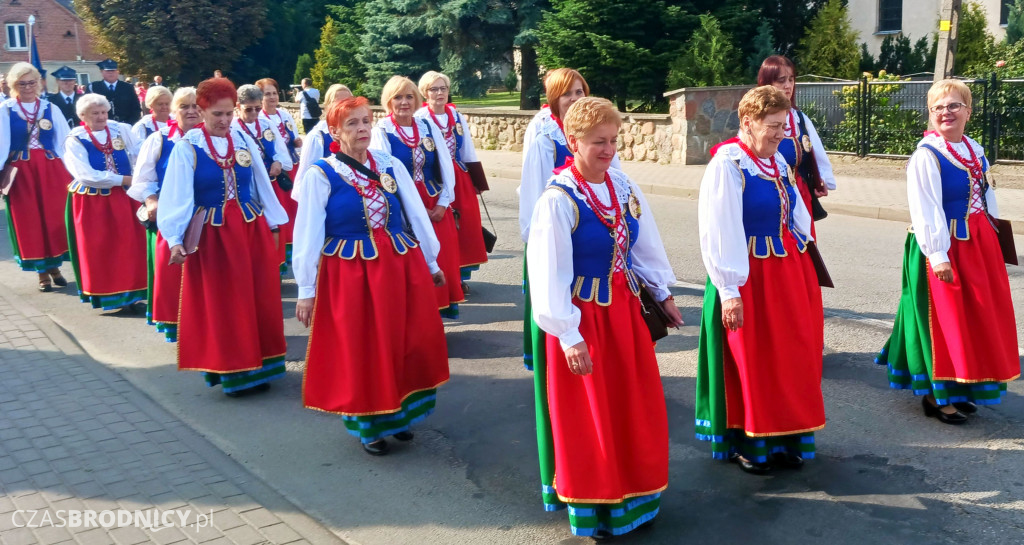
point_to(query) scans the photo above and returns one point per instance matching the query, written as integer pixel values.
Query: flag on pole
(34, 57)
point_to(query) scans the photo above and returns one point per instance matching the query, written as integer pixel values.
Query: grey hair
(89, 100)
(249, 93)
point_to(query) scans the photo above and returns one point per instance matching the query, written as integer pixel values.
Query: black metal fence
(887, 118)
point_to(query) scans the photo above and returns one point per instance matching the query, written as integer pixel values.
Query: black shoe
(45, 287)
(933, 410)
(787, 460)
(58, 279)
(751, 467)
(403, 435)
(966, 407)
(379, 447)
(601, 535)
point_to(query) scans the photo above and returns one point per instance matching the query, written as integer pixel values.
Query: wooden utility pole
(949, 24)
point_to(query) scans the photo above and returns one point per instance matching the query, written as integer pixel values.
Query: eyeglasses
(26, 83)
(435, 90)
(952, 107)
(251, 109)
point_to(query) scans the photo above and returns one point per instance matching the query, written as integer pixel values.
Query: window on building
(1004, 11)
(17, 36)
(890, 15)
(83, 78)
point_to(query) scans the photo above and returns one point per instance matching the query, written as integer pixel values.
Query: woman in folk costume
(377, 351)
(280, 120)
(272, 150)
(32, 134)
(955, 337)
(230, 323)
(417, 145)
(801, 146)
(545, 148)
(317, 143)
(604, 447)
(158, 100)
(453, 127)
(759, 355)
(108, 244)
(147, 180)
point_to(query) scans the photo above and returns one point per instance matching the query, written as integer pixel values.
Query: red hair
(559, 82)
(213, 90)
(770, 70)
(339, 111)
(267, 81)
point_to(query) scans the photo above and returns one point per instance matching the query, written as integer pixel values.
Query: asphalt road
(884, 473)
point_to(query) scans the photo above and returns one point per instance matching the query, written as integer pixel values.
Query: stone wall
(698, 119)
(702, 117)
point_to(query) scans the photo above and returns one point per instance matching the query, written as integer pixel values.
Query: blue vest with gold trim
(20, 136)
(210, 186)
(431, 166)
(956, 193)
(593, 251)
(347, 227)
(763, 223)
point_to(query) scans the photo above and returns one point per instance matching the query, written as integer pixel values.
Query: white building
(876, 19)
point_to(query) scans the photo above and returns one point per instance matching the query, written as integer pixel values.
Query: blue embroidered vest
(166, 145)
(431, 166)
(327, 144)
(122, 166)
(20, 136)
(763, 222)
(956, 193)
(211, 191)
(347, 227)
(266, 147)
(593, 251)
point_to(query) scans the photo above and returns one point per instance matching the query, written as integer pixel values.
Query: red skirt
(110, 244)
(286, 231)
(610, 429)
(974, 332)
(230, 318)
(166, 284)
(36, 208)
(374, 340)
(772, 367)
(471, 239)
(448, 257)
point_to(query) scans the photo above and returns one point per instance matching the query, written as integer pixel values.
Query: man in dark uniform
(66, 97)
(123, 100)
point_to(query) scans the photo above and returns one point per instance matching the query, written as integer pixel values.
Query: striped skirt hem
(370, 428)
(755, 449)
(273, 368)
(617, 518)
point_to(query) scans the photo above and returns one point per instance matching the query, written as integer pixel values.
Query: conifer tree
(336, 60)
(829, 45)
(763, 48)
(710, 58)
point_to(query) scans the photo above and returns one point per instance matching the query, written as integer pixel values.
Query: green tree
(290, 34)
(1015, 22)
(763, 48)
(829, 46)
(183, 40)
(924, 55)
(526, 15)
(974, 43)
(303, 67)
(620, 46)
(337, 58)
(895, 55)
(710, 58)
(867, 60)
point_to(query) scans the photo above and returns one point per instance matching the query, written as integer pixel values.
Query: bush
(894, 130)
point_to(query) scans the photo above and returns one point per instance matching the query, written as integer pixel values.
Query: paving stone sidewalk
(75, 437)
(857, 195)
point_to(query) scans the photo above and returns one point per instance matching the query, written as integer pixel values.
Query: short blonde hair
(762, 101)
(155, 92)
(332, 93)
(89, 100)
(559, 82)
(428, 79)
(396, 86)
(182, 95)
(945, 87)
(589, 112)
(18, 71)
